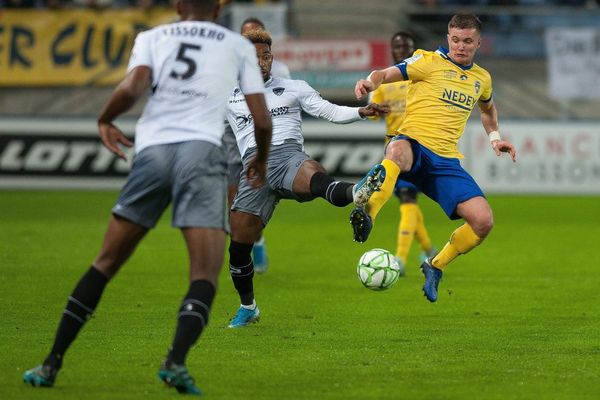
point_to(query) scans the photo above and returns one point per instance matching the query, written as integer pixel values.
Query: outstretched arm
(312, 103)
(376, 78)
(374, 110)
(123, 98)
(489, 119)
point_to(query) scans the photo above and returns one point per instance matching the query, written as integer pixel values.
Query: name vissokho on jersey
(195, 66)
(440, 99)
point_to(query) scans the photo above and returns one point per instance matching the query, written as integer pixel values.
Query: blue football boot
(432, 280)
(244, 317)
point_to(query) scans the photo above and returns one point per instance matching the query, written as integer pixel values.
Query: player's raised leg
(368, 185)
(120, 240)
(312, 180)
(398, 157)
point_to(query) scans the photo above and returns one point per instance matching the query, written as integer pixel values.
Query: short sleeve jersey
(441, 96)
(195, 66)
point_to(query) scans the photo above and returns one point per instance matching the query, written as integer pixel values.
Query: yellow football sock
(462, 240)
(378, 199)
(421, 232)
(406, 229)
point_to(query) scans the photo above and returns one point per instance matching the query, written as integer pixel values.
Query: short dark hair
(406, 34)
(259, 36)
(465, 21)
(254, 20)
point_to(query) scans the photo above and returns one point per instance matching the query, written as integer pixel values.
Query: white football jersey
(195, 66)
(286, 98)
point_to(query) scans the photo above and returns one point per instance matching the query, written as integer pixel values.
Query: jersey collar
(269, 81)
(443, 52)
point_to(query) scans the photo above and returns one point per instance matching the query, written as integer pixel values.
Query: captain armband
(494, 135)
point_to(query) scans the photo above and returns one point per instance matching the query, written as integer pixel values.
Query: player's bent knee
(483, 225)
(400, 152)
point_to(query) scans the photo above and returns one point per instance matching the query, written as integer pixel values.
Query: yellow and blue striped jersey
(394, 95)
(440, 99)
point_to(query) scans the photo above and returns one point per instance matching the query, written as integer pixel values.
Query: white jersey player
(291, 173)
(234, 160)
(191, 67)
(286, 99)
(194, 64)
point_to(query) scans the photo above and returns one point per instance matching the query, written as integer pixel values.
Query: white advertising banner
(552, 157)
(573, 63)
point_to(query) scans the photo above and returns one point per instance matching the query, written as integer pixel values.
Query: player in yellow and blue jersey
(394, 94)
(445, 87)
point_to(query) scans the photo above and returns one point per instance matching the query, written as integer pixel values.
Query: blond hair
(259, 36)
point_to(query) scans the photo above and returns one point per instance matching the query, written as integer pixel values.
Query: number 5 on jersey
(191, 64)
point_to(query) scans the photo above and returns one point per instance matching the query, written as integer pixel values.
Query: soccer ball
(378, 269)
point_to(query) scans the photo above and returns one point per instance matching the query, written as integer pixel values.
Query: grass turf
(518, 318)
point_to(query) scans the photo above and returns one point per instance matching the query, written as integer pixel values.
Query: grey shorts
(192, 175)
(283, 166)
(234, 159)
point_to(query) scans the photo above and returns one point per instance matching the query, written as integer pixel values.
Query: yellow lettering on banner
(70, 48)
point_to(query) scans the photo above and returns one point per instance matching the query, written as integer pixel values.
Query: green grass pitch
(518, 318)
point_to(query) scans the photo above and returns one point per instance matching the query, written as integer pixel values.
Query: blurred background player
(394, 95)
(178, 159)
(446, 85)
(234, 160)
(291, 173)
